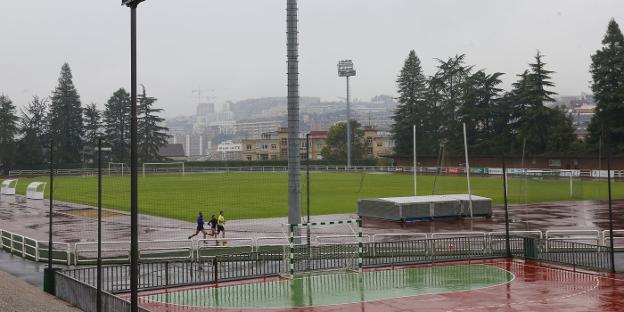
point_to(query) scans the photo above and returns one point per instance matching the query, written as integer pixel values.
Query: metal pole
(415, 163)
(294, 156)
(308, 196)
(50, 242)
(467, 167)
(507, 246)
(571, 185)
(348, 127)
(134, 208)
(99, 229)
(612, 251)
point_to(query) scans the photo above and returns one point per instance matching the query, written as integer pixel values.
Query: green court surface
(338, 288)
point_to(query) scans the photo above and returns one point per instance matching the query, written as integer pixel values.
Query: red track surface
(536, 288)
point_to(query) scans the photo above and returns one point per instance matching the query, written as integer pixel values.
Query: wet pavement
(18, 296)
(534, 288)
(26, 270)
(572, 215)
(30, 218)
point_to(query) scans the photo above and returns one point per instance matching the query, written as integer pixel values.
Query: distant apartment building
(269, 146)
(581, 117)
(317, 143)
(581, 110)
(229, 150)
(274, 145)
(377, 143)
(252, 129)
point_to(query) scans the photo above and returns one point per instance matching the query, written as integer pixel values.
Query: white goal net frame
(111, 168)
(165, 164)
(325, 252)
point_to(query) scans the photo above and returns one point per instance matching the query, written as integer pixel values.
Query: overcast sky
(235, 49)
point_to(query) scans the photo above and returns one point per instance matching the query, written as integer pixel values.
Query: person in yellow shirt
(221, 225)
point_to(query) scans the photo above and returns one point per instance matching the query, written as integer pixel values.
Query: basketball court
(488, 285)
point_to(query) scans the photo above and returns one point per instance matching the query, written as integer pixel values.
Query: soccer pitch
(251, 195)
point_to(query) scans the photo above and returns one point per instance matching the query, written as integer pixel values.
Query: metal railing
(533, 172)
(77, 285)
(33, 249)
(85, 253)
(570, 253)
(83, 295)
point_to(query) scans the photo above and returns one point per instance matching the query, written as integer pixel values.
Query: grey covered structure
(412, 208)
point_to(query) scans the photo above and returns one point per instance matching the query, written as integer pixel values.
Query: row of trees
(74, 129)
(516, 121)
(438, 105)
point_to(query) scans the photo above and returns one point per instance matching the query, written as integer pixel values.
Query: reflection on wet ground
(30, 218)
(535, 288)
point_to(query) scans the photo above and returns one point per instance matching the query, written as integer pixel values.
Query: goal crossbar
(164, 164)
(292, 230)
(111, 164)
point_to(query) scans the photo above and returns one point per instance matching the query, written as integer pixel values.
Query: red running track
(536, 288)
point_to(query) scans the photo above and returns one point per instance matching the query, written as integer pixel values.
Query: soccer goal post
(116, 167)
(326, 252)
(165, 167)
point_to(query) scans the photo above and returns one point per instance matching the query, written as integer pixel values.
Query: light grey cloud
(237, 48)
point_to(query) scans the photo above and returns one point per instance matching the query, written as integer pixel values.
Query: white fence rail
(532, 172)
(119, 251)
(33, 249)
(618, 238)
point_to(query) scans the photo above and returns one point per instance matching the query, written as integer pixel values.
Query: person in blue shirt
(200, 226)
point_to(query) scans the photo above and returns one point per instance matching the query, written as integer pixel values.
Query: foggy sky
(236, 49)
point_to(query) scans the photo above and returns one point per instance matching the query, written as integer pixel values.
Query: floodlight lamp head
(345, 68)
(131, 3)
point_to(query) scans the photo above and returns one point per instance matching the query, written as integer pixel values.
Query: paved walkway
(18, 296)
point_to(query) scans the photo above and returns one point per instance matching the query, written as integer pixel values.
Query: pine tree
(542, 128)
(607, 70)
(447, 94)
(92, 126)
(561, 134)
(33, 129)
(413, 109)
(152, 135)
(539, 78)
(336, 143)
(8, 131)
(535, 117)
(117, 124)
(66, 119)
(478, 111)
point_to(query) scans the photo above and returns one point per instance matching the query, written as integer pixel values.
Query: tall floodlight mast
(294, 157)
(134, 206)
(345, 69)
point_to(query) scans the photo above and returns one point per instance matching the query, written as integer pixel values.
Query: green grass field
(249, 195)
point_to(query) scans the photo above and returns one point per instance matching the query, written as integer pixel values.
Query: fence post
(36, 251)
(573, 255)
(215, 268)
(167, 273)
(23, 246)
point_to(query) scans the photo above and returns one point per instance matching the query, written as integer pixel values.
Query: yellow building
(377, 143)
(274, 145)
(267, 147)
(317, 143)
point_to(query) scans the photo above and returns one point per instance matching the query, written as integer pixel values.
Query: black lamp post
(134, 208)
